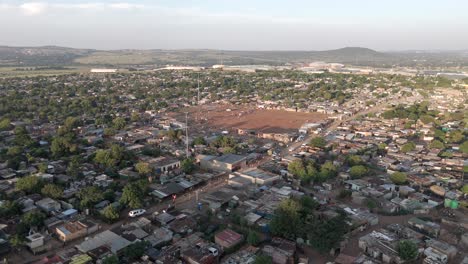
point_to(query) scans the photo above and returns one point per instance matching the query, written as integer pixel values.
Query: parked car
(137, 212)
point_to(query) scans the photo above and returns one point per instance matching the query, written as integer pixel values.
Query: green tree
(327, 170)
(10, 208)
(187, 165)
(5, 124)
(52, 191)
(110, 213)
(410, 146)
(29, 184)
(17, 240)
(436, 144)
(89, 196)
(358, 171)
(464, 147)
(318, 142)
(199, 141)
(42, 167)
(135, 250)
(399, 178)
(407, 250)
(286, 220)
(119, 123)
(252, 238)
(344, 194)
(33, 219)
(112, 259)
(456, 136)
(143, 168)
(353, 160)
(263, 259)
(297, 168)
(464, 189)
(325, 235)
(133, 194)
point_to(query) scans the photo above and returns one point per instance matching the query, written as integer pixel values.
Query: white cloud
(37, 8)
(33, 8)
(125, 6)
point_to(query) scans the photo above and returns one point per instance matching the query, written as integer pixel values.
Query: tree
(33, 219)
(344, 194)
(143, 168)
(113, 259)
(89, 196)
(297, 168)
(464, 189)
(325, 235)
(464, 147)
(10, 208)
(187, 165)
(286, 220)
(199, 141)
(5, 124)
(119, 123)
(110, 213)
(135, 250)
(252, 238)
(133, 194)
(318, 142)
(410, 146)
(29, 184)
(263, 259)
(436, 144)
(358, 171)
(353, 160)
(456, 136)
(52, 191)
(17, 240)
(327, 170)
(42, 167)
(407, 250)
(110, 158)
(399, 178)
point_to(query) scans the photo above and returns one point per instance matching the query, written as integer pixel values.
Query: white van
(136, 212)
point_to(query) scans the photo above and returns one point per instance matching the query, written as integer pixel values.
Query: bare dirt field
(228, 117)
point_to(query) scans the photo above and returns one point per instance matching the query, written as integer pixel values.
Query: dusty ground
(228, 117)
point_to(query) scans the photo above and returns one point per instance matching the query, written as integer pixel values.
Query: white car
(137, 212)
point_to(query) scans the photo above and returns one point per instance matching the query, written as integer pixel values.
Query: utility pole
(198, 90)
(186, 134)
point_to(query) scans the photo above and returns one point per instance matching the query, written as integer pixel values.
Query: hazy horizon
(261, 25)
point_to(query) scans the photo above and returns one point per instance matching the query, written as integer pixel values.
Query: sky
(237, 24)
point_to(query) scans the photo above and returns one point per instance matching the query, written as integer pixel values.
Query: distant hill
(40, 56)
(61, 56)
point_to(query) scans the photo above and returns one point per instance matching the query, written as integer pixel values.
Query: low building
(48, 205)
(228, 238)
(259, 177)
(107, 238)
(73, 230)
(228, 162)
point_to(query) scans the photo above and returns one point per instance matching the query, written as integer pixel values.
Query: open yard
(228, 117)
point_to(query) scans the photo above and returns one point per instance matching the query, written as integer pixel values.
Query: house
(73, 230)
(356, 185)
(228, 162)
(35, 242)
(228, 238)
(380, 245)
(424, 226)
(107, 238)
(281, 251)
(162, 164)
(48, 205)
(259, 177)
